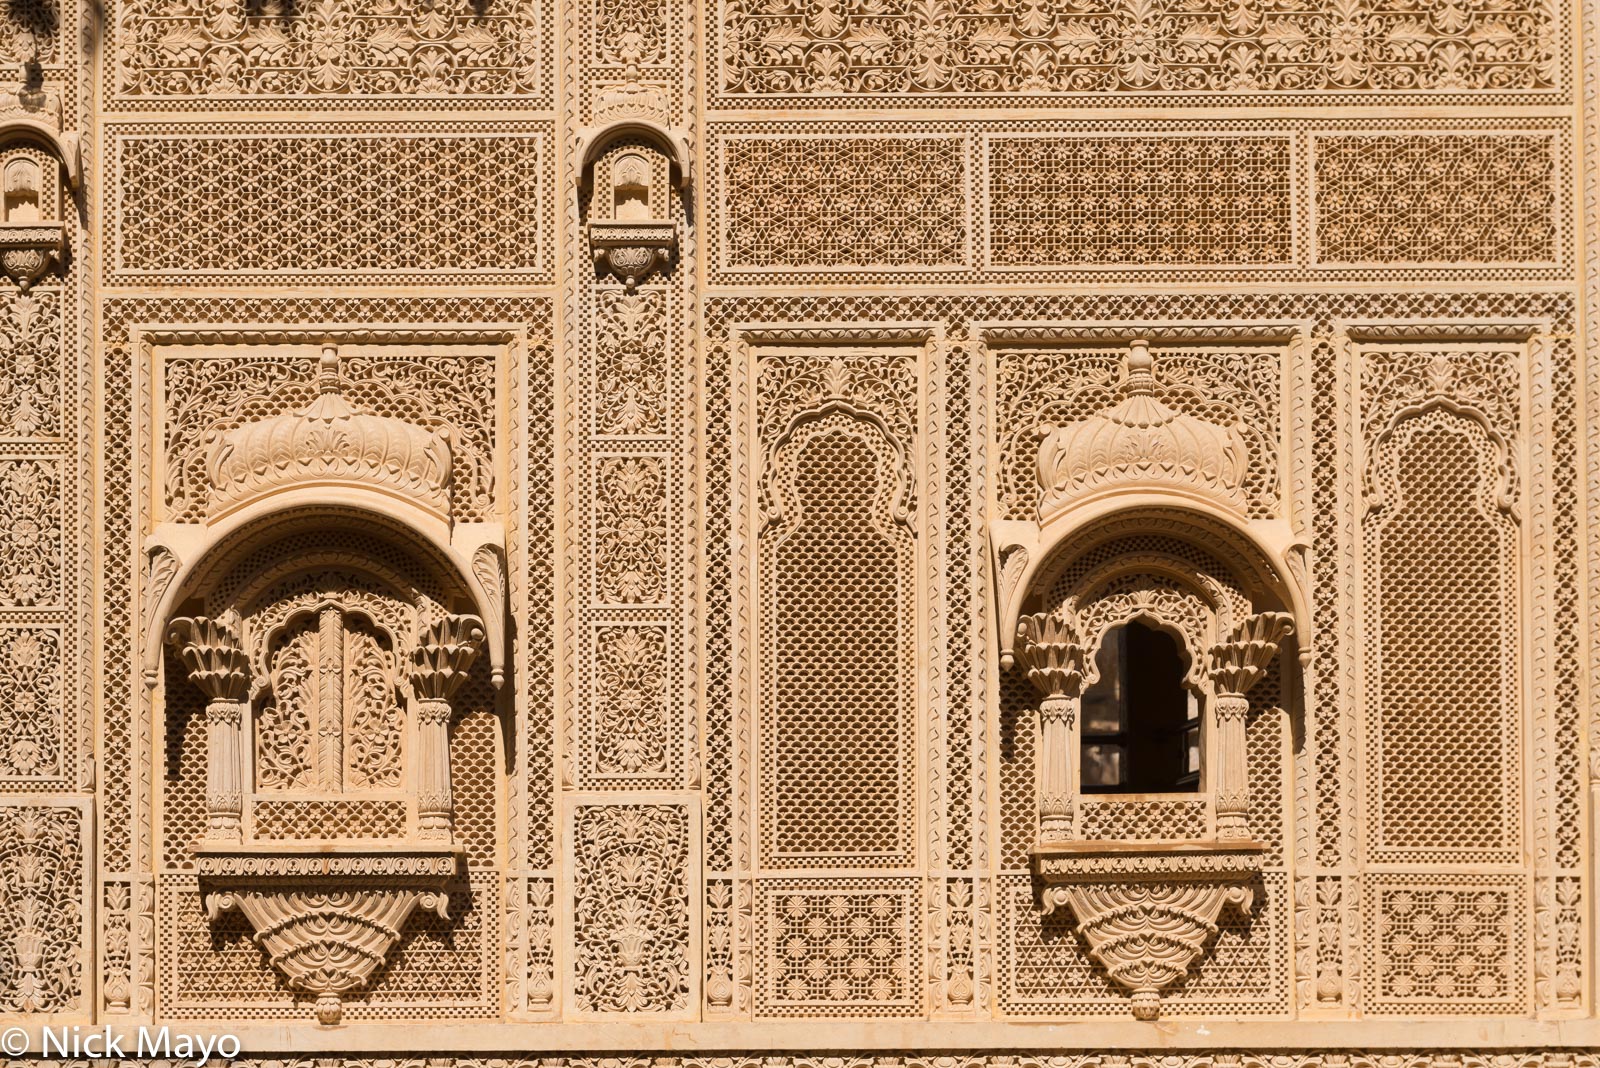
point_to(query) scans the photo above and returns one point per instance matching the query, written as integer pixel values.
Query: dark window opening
(1141, 725)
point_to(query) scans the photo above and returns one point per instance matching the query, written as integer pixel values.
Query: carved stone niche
(34, 157)
(1143, 526)
(630, 169)
(326, 615)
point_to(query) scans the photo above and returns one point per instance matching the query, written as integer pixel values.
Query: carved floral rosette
(326, 921)
(1147, 917)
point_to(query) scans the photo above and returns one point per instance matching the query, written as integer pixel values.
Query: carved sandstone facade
(915, 533)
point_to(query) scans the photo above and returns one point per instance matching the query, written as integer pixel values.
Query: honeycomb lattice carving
(839, 947)
(844, 203)
(347, 203)
(43, 909)
(1426, 198)
(1152, 820)
(631, 908)
(1440, 550)
(837, 606)
(1131, 201)
(285, 820)
(1446, 945)
(1119, 47)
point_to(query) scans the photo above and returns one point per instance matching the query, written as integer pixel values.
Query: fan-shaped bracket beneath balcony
(1147, 910)
(327, 918)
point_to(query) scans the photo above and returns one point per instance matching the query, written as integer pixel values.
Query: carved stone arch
(777, 487)
(671, 142)
(465, 566)
(330, 642)
(1146, 909)
(1380, 480)
(1258, 559)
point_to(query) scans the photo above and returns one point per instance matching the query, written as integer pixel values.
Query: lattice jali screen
(356, 202)
(1446, 944)
(1437, 198)
(1128, 201)
(1442, 616)
(839, 947)
(838, 629)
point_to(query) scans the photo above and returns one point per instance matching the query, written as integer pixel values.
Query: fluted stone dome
(329, 440)
(1141, 441)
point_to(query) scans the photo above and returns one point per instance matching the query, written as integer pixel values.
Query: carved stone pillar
(1236, 665)
(439, 665)
(1053, 659)
(210, 649)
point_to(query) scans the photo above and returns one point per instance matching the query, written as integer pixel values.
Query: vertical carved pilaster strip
(1237, 665)
(330, 700)
(210, 649)
(439, 665)
(1049, 652)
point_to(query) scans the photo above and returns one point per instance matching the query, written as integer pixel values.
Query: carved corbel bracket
(326, 920)
(29, 251)
(1148, 912)
(633, 250)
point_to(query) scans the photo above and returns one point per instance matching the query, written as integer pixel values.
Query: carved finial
(1240, 662)
(328, 368)
(1049, 651)
(1140, 368)
(210, 649)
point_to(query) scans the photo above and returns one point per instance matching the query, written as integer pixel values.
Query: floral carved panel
(44, 903)
(943, 49)
(279, 53)
(30, 364)
(32, 704)
(31, 535)
(634, 907)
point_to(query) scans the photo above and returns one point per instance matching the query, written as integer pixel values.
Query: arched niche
(330, 646)
(1203, 580)
(633, 176)
(182, 558)
(38, 165)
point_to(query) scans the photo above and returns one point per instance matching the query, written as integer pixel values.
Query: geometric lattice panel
(838, 947)
(347, 203)
(1136, 201)
(1434, 198)
(1446, 945)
